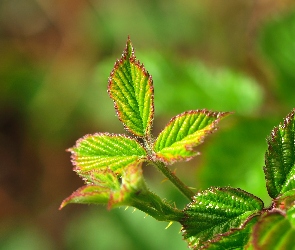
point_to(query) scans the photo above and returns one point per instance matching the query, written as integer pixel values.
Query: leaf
(89, 194)
(274, 232)
(280, 158)
(104, 150)
(217, 212)
(107, 189)
(286, 200)
(239, 239)
(104, 177)
(185, 131)
(131, 88)
(291, 215)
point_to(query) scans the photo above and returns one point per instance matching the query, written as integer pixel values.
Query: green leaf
(104, 150)
(131, 88)
(286, 200)
(238, 239)
(105, 178)
(185, 131)
(273, 232)
(104, 187)
(218, 211)
(89, 194)
(280, 158)
(291, 215)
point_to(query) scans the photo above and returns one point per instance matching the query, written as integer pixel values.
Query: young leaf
(185, 131)
(104, 150)
(131, 88)
(218, 212)
(89, 194)
(280, 158)
(104, 177)
(107, 189)
(273, 232)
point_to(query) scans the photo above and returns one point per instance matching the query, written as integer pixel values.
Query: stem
(147, 209)
(175, 180)
(153, 205)
(167, 213)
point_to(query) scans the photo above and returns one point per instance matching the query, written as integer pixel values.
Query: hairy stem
(165, 213)
(154, 206)
(175, 180)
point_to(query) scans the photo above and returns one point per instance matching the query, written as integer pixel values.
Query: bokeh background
(55, 59)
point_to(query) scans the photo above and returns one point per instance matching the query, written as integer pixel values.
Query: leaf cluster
(216, 218)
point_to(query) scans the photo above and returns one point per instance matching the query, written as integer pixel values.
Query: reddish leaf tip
(63, 204)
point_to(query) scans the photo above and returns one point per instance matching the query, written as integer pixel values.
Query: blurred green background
(55, 59)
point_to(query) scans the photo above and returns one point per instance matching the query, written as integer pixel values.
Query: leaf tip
(70, 149)
(63, 204)
(225, 114)
(129, 50)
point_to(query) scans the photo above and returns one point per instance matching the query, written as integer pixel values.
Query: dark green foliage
(280, 158)
(218, 211)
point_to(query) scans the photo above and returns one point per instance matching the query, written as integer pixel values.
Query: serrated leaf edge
(190, 147)
(132, 59)
(80, 140)
(67, 200)
(218, 237)
(270, 139)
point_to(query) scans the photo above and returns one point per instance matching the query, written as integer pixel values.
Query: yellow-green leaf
(106, 187)
(104, 150)
(89, 194)
(131, 88)
(183, 133)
